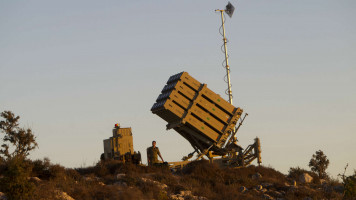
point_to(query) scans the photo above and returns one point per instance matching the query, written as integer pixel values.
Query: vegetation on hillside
(22, 178)
(17, 143)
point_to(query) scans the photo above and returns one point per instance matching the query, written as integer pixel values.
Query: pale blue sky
(71, 69)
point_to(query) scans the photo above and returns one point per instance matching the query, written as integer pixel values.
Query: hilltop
(199, 180)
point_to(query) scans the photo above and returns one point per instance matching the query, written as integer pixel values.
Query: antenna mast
(229, 10)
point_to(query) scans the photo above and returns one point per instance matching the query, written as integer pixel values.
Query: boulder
(176, 197)
(63, 196)
(88, 178)
(35, 179)
(120, 176)
(243, 189)
(186, 193)
(305, 178)
(259, 187)
(162, 186)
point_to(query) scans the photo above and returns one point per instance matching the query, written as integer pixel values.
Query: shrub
(350, 186)
(41, 168)
(15, 182)
(349, 183)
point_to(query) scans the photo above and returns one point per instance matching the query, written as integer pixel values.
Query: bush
(349, 183)
(350, 186)
(41, 168)
(15, 182)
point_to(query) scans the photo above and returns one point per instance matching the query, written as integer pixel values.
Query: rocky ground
(198, 181)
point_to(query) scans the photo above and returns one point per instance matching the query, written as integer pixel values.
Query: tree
(21, 139)
(318, 164)
(15, 168)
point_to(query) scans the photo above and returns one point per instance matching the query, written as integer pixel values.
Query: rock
(259, 187)
(243, 189)
(305, 178)
(186, 193)
(256, 176)
(101, 183)
(120, 176)
(3, 196)
(290, 183)
(176, 197)
(35, 179)
(266, 196)
(87, 178)
(160, 185)
(63, 195)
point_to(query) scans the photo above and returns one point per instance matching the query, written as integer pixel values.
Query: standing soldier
(152, 153)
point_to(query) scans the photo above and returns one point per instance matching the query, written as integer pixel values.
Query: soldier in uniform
(152, 153)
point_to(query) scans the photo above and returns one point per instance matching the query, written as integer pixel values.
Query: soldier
(152, 153)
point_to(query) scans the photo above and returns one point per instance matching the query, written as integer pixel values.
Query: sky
(72, 69)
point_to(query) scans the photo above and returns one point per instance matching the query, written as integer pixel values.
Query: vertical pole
(227, 73)
(226, 59)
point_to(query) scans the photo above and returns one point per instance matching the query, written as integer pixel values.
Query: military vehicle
(206, 120)
(120, 146)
